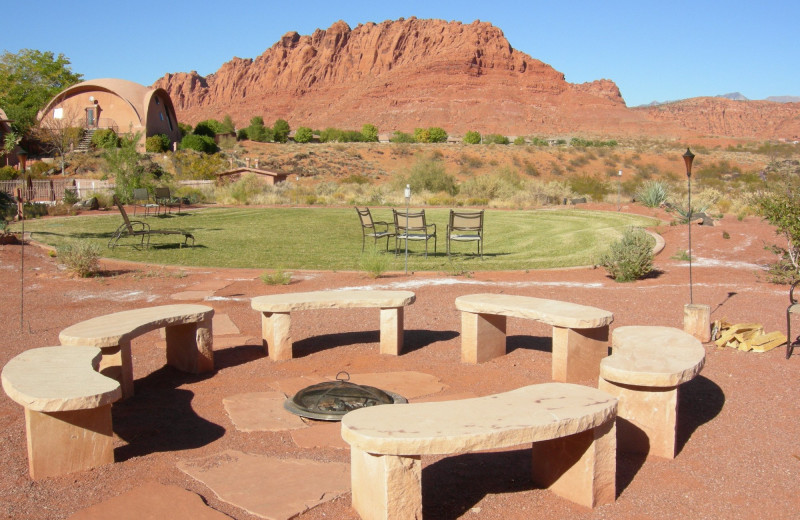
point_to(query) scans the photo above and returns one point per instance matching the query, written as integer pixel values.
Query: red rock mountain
(399, 75)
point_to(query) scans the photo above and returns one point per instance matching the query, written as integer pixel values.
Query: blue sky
(651, 50)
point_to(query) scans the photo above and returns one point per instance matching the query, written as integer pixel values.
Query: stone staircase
(86, 141)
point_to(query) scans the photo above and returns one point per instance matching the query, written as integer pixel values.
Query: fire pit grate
(330, 401)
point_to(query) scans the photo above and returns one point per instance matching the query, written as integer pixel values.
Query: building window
(58, 113)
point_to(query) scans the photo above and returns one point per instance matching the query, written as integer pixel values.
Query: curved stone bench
(67, 408)
(276, 312)
(644, 371)
(571, 428)
(188, 329)
(580, 332)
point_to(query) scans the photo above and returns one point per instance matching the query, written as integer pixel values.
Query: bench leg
(581, 467)
(276, 336)
(577, 353)
(190, 347)
(392, 331)
(117, 364)
(647, 418)
(386, 487)
(65, 442)
(483, 337)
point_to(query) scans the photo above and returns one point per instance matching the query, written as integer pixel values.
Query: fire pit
(330, 401)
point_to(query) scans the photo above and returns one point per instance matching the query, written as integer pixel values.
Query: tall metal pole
(619, 191)
(408, 200)
(688, 157)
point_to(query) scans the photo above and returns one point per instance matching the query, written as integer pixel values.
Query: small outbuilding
(118, 104)
(269, 177)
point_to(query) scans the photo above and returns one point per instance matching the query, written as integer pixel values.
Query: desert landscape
(737, 453)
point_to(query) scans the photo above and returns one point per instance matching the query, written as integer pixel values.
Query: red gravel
(739, 453)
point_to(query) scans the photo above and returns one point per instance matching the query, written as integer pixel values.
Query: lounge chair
(369, 228)
(137, 228)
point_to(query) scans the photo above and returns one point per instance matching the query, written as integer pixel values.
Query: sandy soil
(739, 421)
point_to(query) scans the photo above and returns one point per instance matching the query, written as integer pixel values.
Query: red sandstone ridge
(411, 73)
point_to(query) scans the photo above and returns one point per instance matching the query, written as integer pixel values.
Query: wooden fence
(52, 190)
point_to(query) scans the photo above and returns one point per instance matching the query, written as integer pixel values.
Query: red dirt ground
(738, 437)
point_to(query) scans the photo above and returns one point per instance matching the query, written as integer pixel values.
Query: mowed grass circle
(330, 239)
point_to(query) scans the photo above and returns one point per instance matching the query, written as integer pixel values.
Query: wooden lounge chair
(137, 228)
(413, 226)
(369, 228)
(465, 226)
(165, 199)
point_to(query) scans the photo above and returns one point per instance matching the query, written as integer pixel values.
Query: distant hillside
(409, 73)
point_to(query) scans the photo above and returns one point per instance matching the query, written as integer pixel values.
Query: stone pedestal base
(646, 418)
(65, 442)
(392, 330)
(276, 336)
(386, 487)
(577, 353)
(697, 321)
(483, 337)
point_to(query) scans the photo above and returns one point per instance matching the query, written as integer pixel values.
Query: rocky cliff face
(411, 73)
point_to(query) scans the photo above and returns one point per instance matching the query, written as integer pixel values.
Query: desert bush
(157, 143)
(374, 261)
(472, 137)
(81, 258)
(653, 194)
(595, 188)
(781, 208)
(199, 143)
(8, 173)
(401, 137)
(519, 141)
(242, 191)
(105, 139)
(369, 133)
(192, 165)
(629, 258)
(277, 277)
(495, 139)
(430, 175)
(210, 128)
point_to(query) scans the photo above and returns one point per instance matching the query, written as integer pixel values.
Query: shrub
(374, 261)
(185, 129)
(781, 208)
(472, 137)
(369, 133)
(199, 143)
(105, 138)
(653, 194)
(402, 137)
(437, 135)
(81, 258)
(277, 277)
(157, 143)
(303, 135)
(594, 188)
(258, 132)
(495, 139)
(629, 258)
(210, 128)
(519, 141)
(427, 174)
(281, 131)
(8, 173)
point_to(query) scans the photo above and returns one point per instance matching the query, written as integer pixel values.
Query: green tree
(28, 81)
(209, 127)
(781, 208)
(227, 125)
(303, 135)
(256, 131)
(421, 135)
(126, 166)
(437, 135)
(369, 133)
(10, 142)
(280, 131)
(472, 137)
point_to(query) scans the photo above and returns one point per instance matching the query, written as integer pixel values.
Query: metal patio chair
(412, 225)
(465, 226)
(374, 229)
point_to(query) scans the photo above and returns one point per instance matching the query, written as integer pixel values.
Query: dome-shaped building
(122, 105)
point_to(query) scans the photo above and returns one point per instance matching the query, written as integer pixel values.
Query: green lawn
(330, 238)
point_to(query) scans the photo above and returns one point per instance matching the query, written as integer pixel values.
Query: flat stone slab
(408, 384)
(269, 487)
(652, 356)
(292, 385)
(331, 300)
(261, 412)
(57, 379)
(552, 312)
(320, 434)
(191, 296)
(151, 500)
(233, 341)
(210, 285)
(224, 325)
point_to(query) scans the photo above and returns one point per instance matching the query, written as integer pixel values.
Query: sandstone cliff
(412, 73)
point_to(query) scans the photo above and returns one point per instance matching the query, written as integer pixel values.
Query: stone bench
(67, 408)
(580, 332)
(276, 312)
(571, 429)
(644, 371)
(187, 328)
